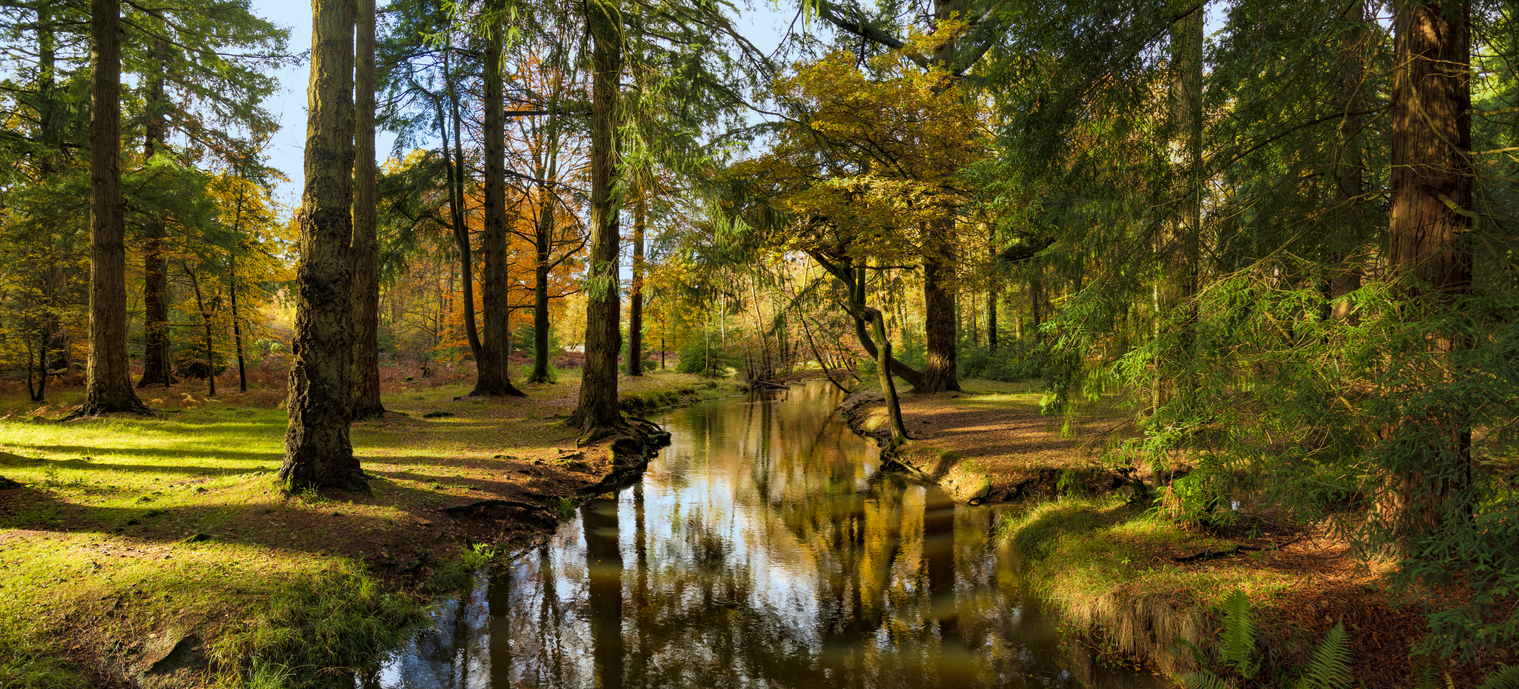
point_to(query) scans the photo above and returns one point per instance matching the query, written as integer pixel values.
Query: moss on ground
(138, 545)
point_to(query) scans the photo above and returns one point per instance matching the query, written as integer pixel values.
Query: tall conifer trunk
(598, 380)
(157, 366)
(109, 383)
(1431, 211)
(493, 375)
(365, 248)
(317, 448)
(1345, 276)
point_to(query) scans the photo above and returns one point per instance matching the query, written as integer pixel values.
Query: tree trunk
(205, 321)
(109, 386)
(237, 326)
(493, 375)
(157, 365)
(317, 448)
(542, 242)
(1427, 256)
(883, 369)
(1349, 161)
(461, 232)
(991, 309)
(365, 248)
(939, 317)
(635, 296)
(598, 379)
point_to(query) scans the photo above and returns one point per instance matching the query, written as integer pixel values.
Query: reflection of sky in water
(762, 549)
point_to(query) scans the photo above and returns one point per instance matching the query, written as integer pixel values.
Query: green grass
(1108, 567)
(104, 541)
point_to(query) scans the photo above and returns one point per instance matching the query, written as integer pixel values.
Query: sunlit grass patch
(1108, 566)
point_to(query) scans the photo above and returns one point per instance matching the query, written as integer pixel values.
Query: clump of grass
(26, 662)
(457, 574)
(317, 632)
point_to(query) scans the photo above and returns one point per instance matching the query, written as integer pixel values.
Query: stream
(762, 548)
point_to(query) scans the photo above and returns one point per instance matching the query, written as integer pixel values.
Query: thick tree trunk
(598, 380)
(317, 448)
(1431, 211)
(109, 386)
(157, 365)
(939, 319)
(493, 368)
(635, 296)
(365, 248)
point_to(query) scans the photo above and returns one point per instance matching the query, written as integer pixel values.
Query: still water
(761, 549)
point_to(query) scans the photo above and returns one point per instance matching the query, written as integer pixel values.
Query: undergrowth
(317, 632)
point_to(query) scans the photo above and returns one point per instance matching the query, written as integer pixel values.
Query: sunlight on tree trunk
(317, 449)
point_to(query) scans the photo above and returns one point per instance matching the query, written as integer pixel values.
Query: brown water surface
(762, 549)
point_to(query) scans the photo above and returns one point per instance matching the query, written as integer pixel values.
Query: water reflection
(762, 549)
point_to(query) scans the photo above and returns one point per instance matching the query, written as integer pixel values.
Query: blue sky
(763, 25)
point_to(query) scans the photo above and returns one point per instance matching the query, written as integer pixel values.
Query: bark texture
(493, 369)
(1431, 201)
(598, 379)
(317, 448)
(365, 248)
(109, 383)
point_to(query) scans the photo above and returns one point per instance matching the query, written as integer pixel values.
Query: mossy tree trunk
(364, 251)
(1431, 182)
(317, 447)
(597, 411)
(109, 384)
(493, 369)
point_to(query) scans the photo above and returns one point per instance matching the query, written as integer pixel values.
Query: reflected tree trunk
(603, 561)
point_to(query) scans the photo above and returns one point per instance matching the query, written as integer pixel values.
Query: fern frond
(1239, 634)
(1330, 668)
(1507, 678)
(1204, 680)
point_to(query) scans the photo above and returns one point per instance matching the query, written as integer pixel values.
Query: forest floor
(138, 547)
(1110, 560)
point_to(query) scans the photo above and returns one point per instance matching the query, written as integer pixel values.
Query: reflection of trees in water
(782, 563)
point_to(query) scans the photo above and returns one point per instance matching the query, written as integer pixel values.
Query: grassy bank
(141, 550)
(1124, 575)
